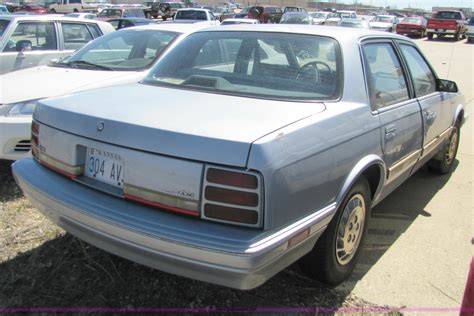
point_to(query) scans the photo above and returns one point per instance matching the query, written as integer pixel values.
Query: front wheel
(335, 254)
(444, 161)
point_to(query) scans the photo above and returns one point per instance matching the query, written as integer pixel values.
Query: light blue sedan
(245, 149)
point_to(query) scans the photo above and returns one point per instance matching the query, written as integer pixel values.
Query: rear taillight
(232, 196)
(35, 128)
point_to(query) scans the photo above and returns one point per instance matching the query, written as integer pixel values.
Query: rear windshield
(412, 20)
(471, 21)
(258, 64)
(448, 15)
(3, 26)
(191, 15)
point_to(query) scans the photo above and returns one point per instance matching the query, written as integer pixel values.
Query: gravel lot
(42, 266)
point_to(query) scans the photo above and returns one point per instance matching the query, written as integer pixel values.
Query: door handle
(430, 115)
(390, 131)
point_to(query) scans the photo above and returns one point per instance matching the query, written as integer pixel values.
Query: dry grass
(42, 266)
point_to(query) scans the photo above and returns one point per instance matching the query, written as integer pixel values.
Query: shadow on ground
(8, 188)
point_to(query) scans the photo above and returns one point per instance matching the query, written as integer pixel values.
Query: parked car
(470, 29)
(82, 15)
(33, 40)
(31, 7)
(354, 23)
(334, 18)
(294, 9)
(120, 12)
(166, 10)
(68, 6)
(319, 17)
(265, 14)
(239, 21)
(296, 18)
(257, 157)
(412, 26)
(119, 57)
(193, 15)
(447, 23)
(243, 13)
(121, 23)
(223, 13)
(384, 23)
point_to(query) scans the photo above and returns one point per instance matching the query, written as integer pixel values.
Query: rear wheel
(456, 36)
(52, 11)
(444, 161)
(430, 36)
(76, 10)
(335, 254)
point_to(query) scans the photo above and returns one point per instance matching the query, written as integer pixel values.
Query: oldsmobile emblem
(100, 126)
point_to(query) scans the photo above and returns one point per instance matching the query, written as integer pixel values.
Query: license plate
(104, 166)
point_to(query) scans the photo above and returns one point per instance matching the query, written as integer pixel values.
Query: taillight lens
(232, 196)
(232, 178)
(35, 129)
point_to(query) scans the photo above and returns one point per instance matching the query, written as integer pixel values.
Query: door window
(387, 84)
(423, 78)
(75, 35)
(34, 36)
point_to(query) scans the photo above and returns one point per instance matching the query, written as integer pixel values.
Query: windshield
(295, 18)
(412, 20)
(245, 10)
(3, 26)
(384, 19)
(191, 15)
(260, 64)
(125, 50)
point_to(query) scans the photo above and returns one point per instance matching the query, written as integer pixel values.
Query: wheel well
(372, 174)
(460, 117)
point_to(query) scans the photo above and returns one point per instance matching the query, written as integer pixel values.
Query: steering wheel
(310, 71)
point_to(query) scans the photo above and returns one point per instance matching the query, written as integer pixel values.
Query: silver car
(33, 40)
(238, 155)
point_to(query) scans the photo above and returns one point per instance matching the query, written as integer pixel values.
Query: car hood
(47, 81)
(179, 123)
(380, 24)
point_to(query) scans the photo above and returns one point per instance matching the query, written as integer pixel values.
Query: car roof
(132, 20)
(173, 27)
(194, 9)
(46, 17)
(335, 32)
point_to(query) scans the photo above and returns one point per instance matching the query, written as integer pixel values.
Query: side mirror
(447, 86)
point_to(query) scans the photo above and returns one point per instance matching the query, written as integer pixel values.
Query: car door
(392, 101)
(435, 105)
(31, 44)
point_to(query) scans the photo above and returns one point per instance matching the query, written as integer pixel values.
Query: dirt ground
(43, 266)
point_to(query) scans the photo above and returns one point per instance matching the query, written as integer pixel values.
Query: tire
(456, 36)
(324, 263)
(430, 36)
(148, 15)
(443, 162)
(52, 11)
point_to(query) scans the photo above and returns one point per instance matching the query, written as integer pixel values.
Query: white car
(319, 18)
(334, 18)
(120, 57)
(385, 23)
(197, 16)
(31, 40)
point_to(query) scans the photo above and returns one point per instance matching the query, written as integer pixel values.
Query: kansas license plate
(104, 166)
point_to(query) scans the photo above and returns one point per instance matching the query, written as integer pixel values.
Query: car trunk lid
(177, 123)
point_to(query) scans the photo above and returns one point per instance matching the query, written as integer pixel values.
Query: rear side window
(3, 26)
(423, 78)
(94, 29)
(387, 83)
(75, 35)
(267, 65)
(37, 36)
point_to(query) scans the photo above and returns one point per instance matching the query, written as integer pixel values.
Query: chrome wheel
(452, 147)
(350, 229)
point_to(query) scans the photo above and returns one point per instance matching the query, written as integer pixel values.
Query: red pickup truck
(447, 23)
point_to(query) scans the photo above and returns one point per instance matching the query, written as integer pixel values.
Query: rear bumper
(14, 130)
(240, 258)
(441, 31)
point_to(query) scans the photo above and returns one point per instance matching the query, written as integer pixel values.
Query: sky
(424, 4)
